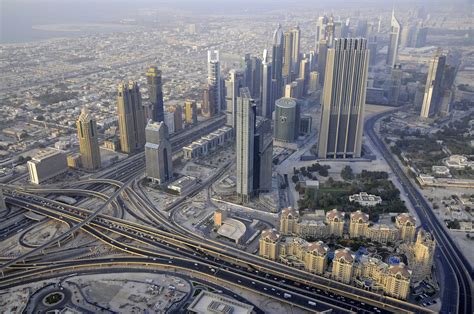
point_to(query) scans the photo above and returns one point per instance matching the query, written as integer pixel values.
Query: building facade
(344, 99)
(131, 118)
(158, 153)
(46, 164)
(88, 140)
(155, 90)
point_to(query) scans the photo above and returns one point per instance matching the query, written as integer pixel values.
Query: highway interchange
(157, 243)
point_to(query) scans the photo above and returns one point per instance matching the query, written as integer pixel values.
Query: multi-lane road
(457, 297)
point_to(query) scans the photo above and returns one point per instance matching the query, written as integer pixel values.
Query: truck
(286, 295)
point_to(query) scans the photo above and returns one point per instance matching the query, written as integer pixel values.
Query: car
(253, 282)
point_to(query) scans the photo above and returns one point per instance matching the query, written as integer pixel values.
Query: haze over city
(236, 156)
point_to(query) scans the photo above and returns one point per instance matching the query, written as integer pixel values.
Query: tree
(347, 173)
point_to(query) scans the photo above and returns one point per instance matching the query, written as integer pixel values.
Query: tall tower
(267, 88)
(245, 128)
(155, 89)
(190, 112)
(88, 140)
(291, 54)
(234, 82)
(131, 117)
(343, 99)
(321, 32)
(393, 42)
(287, 54)
(277, 62)
(3, 205)
(214, 82)
(159, 164)
(434, 86)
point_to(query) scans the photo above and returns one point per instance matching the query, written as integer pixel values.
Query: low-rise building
(358, 224)
(365, 199)
(208, 143)
(46, 164)
(382, 233)
(458, 162)
(268, 244)
(406, 225)
(335, 221)
(183, 184)
(342, 265)
(207, 302)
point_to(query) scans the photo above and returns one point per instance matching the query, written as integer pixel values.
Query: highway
(264, 268)
(458, 292)
(164, 236)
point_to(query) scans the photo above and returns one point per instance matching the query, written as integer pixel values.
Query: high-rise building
(373, 49)
(205, 104)
(394, 40)
(344, 99)
(88, 140)
(155, 90)
(291, 54)
(267, 88)
(169, 121)
(245, 128)
(131, 117)
(233, 84)
(277, 62)
(214, 82)
(177, 111)
(190, 112)
(263, 155)
(313, 81)
(304, 74)
(434, 87)
(362, 29)
(252, 75)
(321, 31)
(287, 119)
(322, 56)
(159, 163)
(395, 85)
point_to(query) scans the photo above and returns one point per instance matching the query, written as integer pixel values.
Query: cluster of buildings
(392, 277)
(208, 143)
(333, 224)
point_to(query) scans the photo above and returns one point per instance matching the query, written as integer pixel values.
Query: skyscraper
(131, 117)
(395, 85)
(287, 120)
(3, 206)
(267, 88)
(277, 62)
(88, 140)
(291, 54)
(233, 84)
(159, 163)
(393, 42)
(263, 156)
(322, 55)
(321, 32)
(245, 128)
(155, 90)
(343, 99)
(214, 82)
(190, 112)
(177, 111)
(434, 86)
